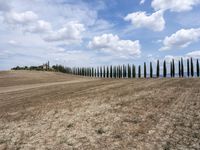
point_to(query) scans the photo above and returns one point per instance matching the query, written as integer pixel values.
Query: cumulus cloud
(181, 39)
(112, 44)
(26, 17)
(41, 26)
(71, 32)
(142, 2)
(174, 5)
(194, 54)
(140, 19)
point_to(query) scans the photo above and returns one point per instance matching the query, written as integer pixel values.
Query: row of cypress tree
(131, 71)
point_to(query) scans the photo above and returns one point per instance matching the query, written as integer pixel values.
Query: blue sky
(101, 32)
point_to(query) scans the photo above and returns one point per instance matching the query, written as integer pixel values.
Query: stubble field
(47, 110)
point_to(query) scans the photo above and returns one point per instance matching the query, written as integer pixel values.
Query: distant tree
(104, 71)
(139, 71)
(198, 73)
(101, 72)
(133, 71)
(192, 67)
(158, 69)
(188, 67)
(182, 68)
(115, 72)
(111, 72)
(164, 69)
(129, 71)
(107, 72)
(95, 72)
(173, 68)
(145, 70)
(98, 74)
(179, 68)
(151, 70)
(121, 72)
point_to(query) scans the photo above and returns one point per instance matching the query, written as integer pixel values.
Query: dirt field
(45, 110)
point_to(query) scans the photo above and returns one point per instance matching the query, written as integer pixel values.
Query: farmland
(48, 110)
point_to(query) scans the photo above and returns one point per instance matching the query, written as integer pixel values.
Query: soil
(48, 110)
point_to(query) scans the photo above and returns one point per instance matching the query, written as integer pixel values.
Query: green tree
(151, 70)
(164, 69)
(182, 68)
(192, 67)
(139, 71)
(145, 70)
(104, 71)
(158, 69)
(188, 67)
(111, 72)
(179, 68)
(173, 68)
(198, 73)
(107, 72)
(133, 71)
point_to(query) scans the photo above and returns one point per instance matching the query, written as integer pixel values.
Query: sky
(97, 32)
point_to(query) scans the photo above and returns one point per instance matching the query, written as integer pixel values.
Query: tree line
(131, 71)
(127, 71)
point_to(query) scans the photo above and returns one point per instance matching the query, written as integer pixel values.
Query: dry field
(45, 110)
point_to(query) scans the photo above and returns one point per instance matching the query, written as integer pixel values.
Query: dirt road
(56, 111)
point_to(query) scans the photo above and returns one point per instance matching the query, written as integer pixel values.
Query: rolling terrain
(48, 110)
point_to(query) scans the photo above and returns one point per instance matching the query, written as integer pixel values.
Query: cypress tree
(118, 71)
(92, 72)
(192, 67)
(182, 68)
(198, 73)
(98, 75)
(121, 71)
(173, 68)
(158, 69)
(133, 71)
(179, 68)
(95, 72)
(164, 69)
(115, 72)
(101, 72)
(188, 67)
(111, 72)
(151, 70)
(104, 71)
(129, 71)
(139, 71)
(125, 71)
(145, 70)
(107, 72)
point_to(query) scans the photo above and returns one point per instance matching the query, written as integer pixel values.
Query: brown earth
(46, 110)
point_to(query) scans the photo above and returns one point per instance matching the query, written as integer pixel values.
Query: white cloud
(26, 17)
(181, 39)
(174, 5)
(71, 32)
(41, 26)
(142, 2)
(112, 44)
(154, 21)
(194, 54)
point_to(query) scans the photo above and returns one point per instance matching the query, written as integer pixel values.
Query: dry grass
(98, 114)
